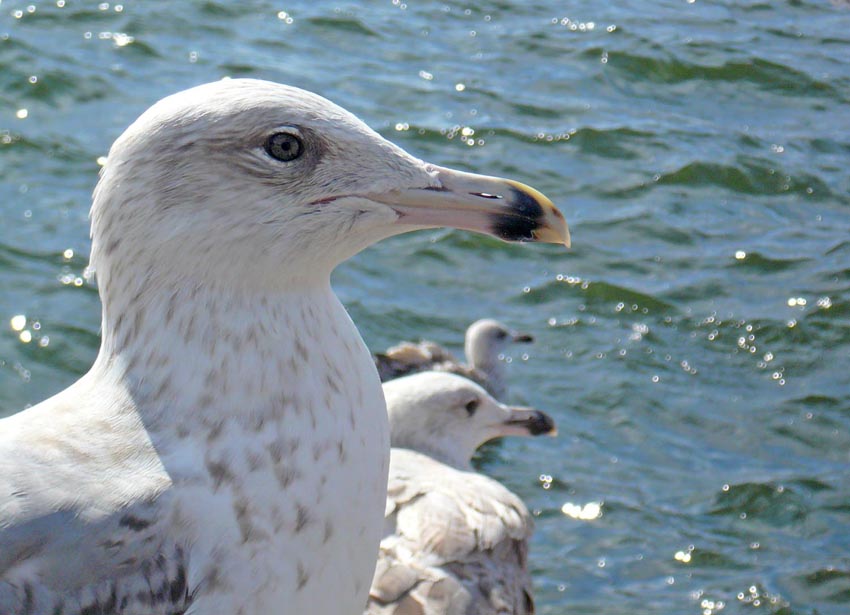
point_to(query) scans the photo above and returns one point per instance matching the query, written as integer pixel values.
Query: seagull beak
(503, 208)
(524, 338)
(528, 422)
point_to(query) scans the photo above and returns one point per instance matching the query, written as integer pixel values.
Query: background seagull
(456, 542)
(227, 452)
(484, 346)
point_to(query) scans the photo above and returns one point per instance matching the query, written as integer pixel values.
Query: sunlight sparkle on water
(575, 26)
(685, 555)
(121, 40)
(709, 607)
(757, 596)
(569, 279)
(639, 329)
(588, 512)
(18, 322)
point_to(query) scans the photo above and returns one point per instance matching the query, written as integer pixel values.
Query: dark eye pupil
(471, 407)
(284, 146)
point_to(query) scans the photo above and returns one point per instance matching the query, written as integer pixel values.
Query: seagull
(484, 347)
(456, 542)
(227, 452)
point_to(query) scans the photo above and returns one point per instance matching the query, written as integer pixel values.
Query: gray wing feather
(77, 535)
(408, 358)
(58, 563)
(457, 544)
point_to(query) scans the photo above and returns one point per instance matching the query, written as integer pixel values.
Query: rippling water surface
(693, 346)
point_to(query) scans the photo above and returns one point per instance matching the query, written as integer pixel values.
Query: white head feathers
(449, 417)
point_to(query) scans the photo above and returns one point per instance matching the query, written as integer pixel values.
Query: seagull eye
(472, 406)
(284, 146)
(500, 334)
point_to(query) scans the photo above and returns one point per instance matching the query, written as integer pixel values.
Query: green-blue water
(693, 346)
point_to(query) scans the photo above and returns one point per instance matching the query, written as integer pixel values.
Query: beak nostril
(487, 195)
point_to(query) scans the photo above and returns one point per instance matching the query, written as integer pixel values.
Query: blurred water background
(693, 345)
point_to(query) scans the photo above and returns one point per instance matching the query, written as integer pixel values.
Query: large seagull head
(262, 185)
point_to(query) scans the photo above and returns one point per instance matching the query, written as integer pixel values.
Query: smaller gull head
(449, 417)
(252, 183)
(487, 339)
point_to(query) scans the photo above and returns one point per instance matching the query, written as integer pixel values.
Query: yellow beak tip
(553, 234)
